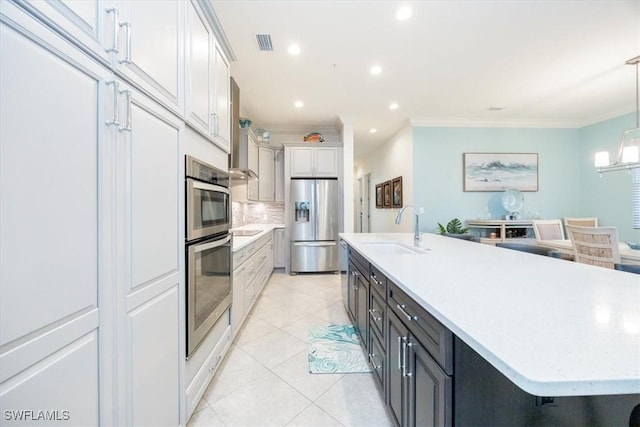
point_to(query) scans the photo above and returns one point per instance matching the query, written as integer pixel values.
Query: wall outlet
(264, 217)
(421, 211)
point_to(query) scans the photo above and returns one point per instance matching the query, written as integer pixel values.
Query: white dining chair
(548, 229)
(595, 245)
(591, 221)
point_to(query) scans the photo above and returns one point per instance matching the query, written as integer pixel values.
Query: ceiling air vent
(264, 42)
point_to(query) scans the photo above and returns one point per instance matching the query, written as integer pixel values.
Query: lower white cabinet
(252, 267)
(278, 248)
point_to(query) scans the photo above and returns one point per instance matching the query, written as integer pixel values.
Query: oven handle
(206, 246)
(204, 186)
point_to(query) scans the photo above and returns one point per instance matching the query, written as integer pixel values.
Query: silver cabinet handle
(373, 315)
(217, 125)
(355, 273)
(404, 356)
(212, 120)
(399, 353)
(373, 361)
(127, 94)
(114, 46)
(116, 120)
(127, 52)
(407, 373)
(407, 315)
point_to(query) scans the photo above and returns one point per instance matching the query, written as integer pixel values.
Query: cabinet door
(302, 159)
(278, 248)
(279, 178)
(266, 164)
(430, 392)
(352, 286)
(362, 313)
(237, 304)
(222, 125)
(326, 161)
(397, 335)
(199, 65)
(93, 24)
(151, 49)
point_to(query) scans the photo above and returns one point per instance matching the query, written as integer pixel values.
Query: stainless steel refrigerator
(314, 225)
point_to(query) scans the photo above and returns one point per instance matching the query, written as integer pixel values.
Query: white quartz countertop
(240, 242)
(553, 327)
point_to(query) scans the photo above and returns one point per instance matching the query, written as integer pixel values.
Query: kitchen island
(553, 330)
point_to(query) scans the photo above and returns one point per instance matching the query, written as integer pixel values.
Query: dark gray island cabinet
(430, 377)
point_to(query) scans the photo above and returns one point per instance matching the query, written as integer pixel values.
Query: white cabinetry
(267, 174)
(279, 164)
(500, 231)
(207, 80)
(278, 248)
(252, 266)
(89, 286)
(314, 162)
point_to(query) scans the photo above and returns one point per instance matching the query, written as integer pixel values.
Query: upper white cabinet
(279, 163)
(266, 166)
(150, 49)
(314, 161)
(207, 80)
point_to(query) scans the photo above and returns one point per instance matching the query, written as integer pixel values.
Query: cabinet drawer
(432, 334)
(378, 282)
(377, 359)
(377, 314)
(239, 257)
(360, 262)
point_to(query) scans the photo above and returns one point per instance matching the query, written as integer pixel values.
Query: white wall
(392, 159)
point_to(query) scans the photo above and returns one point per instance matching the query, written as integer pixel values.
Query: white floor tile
(355, 401)
(274, 348)
(314, 416)
(206, 417)
(282, 315)
(238, 369)
(267, 401)
(254, 328)
(295, 371)
(335, 314)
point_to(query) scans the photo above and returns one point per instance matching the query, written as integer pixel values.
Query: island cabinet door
(362, 312)
(430, 389)
(397, 390)
(352, 286)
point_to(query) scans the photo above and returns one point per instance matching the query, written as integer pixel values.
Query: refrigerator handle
(316, 213)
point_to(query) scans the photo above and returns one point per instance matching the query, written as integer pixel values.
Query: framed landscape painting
(500, 171)
(396, 192)
(379, 196)
(386, 191)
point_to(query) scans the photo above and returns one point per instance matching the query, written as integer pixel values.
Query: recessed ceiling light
(298, 104)
(373, 130)
(393, 106)
(294, 49)
(376, 69)
(403, 13)
(496, 107)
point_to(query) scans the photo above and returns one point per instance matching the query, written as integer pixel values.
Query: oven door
(208, 209)
(208, 286)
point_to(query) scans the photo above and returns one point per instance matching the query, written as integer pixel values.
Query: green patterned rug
(335, 349)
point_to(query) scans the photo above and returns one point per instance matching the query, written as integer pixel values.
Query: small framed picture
(379, 196)
(386, 192)
(396, 192)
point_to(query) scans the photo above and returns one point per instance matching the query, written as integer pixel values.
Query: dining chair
(548, 229)
(595, 245)
(629, 268)
(524, 247)
(582, 222)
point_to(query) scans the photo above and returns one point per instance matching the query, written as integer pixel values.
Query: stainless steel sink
(394, 248)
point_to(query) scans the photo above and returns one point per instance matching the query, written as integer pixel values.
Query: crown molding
(218, 31)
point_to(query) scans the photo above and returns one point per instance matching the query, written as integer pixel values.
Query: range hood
(239, 156)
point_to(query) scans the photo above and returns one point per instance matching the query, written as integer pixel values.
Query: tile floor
(264, 379)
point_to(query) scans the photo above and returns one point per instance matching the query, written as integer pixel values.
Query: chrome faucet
(417, 235)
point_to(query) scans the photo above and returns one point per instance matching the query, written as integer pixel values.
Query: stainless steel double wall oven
(208, 248)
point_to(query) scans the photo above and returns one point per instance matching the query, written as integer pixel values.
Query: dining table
(627, 255)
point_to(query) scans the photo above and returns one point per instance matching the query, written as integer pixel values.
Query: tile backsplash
(257, 213)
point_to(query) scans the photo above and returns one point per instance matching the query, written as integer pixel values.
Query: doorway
(363, 203)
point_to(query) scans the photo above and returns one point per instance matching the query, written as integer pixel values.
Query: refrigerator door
(303, 220)
(314, 256)
(326, 212)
